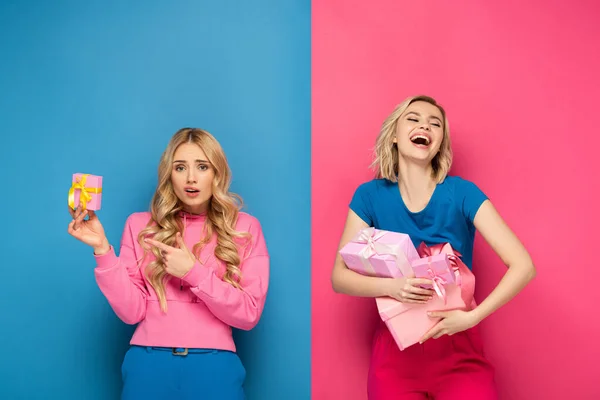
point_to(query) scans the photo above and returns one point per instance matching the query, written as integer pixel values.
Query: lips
(421, 139)
(190, 189)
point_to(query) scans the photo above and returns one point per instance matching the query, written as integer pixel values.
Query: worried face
(192, 178)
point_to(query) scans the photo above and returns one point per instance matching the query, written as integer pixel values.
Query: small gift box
(381, 253)
(408, 323)
(86, 192)
(437, 268)
(464, 278)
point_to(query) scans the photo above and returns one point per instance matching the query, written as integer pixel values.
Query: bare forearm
(353, 284)
(510, 249)
(514, 280)
(103, 248)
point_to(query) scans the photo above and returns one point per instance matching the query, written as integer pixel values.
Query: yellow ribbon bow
(85, 195)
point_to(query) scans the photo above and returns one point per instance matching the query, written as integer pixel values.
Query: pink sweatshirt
(201, 307)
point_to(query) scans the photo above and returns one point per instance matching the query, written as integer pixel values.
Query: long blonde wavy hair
(221, 216)
(386, 155)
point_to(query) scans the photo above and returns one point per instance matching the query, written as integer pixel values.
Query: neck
(195, 211)
(416, 183)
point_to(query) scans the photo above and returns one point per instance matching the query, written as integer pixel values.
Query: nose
(425, 126)
(191, 176)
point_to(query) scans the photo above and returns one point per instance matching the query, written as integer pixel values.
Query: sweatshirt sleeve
(121, 281)
(239, 308)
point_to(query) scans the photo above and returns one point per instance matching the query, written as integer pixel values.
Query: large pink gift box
(408, 323)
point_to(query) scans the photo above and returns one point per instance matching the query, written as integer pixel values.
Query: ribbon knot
(84, 193)
(369, 237)
(371, 244)
(438, 282)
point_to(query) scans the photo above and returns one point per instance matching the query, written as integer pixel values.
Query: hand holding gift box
(437, 268)
(86, 192)
(388, 254)
(380, 253)
(408, 323)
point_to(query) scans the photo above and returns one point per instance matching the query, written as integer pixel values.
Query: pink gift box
(437, 268)
(381, 253)
(408, 323)
(91, 185)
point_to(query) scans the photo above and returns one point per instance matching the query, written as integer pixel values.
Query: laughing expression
(420, 131)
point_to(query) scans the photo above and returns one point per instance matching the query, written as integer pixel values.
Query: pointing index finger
(160, 245)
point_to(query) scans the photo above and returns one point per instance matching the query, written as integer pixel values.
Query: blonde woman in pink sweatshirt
(187, 272)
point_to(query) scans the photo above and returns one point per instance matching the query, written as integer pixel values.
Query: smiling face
(192, 178)
(420, 132)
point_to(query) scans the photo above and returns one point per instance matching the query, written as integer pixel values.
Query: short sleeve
(470, 198)
(361, 204)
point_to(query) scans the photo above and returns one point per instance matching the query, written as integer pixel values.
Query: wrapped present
(381, 253)
(408, 323)
(462, 274)
(437, 268)
(86, 192)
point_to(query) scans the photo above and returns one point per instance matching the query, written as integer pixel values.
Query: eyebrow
(418, 115)
(185, 162)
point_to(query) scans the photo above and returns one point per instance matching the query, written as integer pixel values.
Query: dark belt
(182, 351)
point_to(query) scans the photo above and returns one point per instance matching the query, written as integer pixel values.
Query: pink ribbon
(438, 281)
(369, 237)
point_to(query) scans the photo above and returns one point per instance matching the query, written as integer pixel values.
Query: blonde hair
(386, 155)
(221, 216)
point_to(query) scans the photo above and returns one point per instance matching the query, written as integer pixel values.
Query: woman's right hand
(407, 290)
(88, 231)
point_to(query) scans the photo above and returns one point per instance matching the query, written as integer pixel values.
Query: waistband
(181, 351)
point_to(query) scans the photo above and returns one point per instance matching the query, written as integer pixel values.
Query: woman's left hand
(178, 261)
(451, 322)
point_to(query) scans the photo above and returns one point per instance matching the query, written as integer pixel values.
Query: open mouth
(191, 191)
(421, 140)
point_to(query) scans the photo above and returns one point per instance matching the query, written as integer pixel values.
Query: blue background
(99, 87)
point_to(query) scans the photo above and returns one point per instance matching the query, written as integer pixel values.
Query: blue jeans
(203, 374)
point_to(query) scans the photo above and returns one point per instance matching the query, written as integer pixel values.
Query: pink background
(520, 81)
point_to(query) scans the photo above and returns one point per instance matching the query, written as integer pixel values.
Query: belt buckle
(180, 353)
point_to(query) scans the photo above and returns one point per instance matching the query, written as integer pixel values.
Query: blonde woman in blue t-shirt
(413, 194)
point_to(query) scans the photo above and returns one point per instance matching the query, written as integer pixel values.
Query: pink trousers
(449, 368)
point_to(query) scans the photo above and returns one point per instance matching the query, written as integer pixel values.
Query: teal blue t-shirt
(448, 217)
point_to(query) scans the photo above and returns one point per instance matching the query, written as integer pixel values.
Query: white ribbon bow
(369, 237)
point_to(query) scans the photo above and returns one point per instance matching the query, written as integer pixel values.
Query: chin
(418, 156)
(192, 205)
